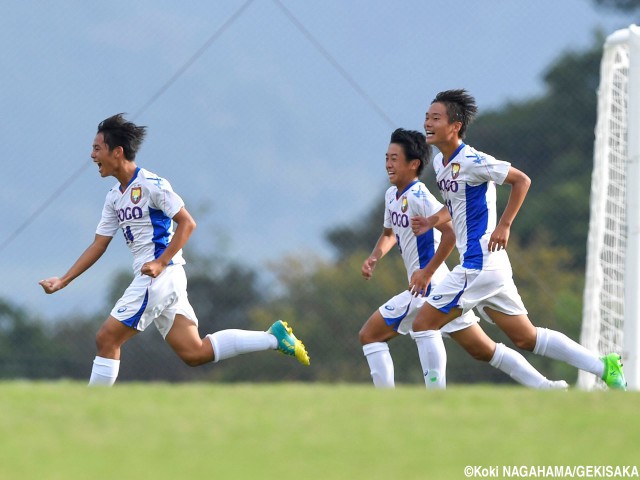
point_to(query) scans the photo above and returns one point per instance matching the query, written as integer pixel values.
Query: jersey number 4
(398, 243)
(128, 236)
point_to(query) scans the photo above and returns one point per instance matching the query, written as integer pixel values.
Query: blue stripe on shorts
(454, 303)
(395, 322)
(135, 319)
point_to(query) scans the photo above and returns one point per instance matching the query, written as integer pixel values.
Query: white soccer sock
(232, 342)
(104, 371)
(517, 367)
(433, 358)
(380, 364)
(558, 346)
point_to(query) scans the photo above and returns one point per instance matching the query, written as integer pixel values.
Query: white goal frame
(611, 313)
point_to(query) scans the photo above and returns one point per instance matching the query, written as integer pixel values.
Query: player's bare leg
(109, 339)
(375, 329)
(517, 327)
(374, 335)
(111, 336)
(552, 344)
(430, 318)
(478, 344)
(185, 340)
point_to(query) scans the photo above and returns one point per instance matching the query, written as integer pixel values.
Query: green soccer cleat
(613, 376)
(288, 343)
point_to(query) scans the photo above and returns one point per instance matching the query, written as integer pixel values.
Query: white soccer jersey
(468, 185)
(143, 212)
(416, 251)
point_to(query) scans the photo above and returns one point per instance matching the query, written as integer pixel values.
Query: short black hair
(118, 132)
(460, 105)
(414, 144)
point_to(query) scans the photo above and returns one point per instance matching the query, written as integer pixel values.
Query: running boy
(144, 207)
(467, 181)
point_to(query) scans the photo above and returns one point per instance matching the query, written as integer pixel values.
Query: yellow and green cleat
(288, 343)
(613, 375)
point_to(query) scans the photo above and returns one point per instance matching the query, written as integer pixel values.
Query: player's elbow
(523, 181)
(518, 179)
(364, 337)
(190, 224)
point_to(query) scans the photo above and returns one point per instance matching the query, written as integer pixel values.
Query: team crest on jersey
(455, 170)
(136, 194)
(405, 204)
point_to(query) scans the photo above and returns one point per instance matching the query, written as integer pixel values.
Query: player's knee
(193, 359)
(480, 352)
(104, 340)
(433, 320)
(192, 362)
(422, 324)
(365, 336)
(525, 343)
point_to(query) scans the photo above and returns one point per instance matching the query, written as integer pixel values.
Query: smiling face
(440, 131)
(400, 170)
(108, 161)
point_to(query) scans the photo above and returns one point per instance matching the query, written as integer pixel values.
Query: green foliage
(327, 304)
(42, 359)
(551, 139)
(346, 239)
(622, 5)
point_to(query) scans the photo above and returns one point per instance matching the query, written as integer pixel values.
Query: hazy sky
(274, 134)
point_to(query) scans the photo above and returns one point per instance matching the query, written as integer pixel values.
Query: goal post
(611, 312)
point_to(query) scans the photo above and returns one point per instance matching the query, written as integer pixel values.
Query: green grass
(304, 431)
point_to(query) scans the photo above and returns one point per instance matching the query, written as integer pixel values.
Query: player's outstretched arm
(84, 262)
(520, 184)
(385, 243)
(185, 227)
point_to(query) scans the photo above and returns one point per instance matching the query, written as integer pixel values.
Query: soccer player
(144, 207)
(467, 181)
(424, 258)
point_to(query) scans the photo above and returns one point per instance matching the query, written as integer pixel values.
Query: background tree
(26, 350)
(550, 137)
(622, 5)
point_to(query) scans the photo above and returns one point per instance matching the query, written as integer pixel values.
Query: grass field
(304, 431)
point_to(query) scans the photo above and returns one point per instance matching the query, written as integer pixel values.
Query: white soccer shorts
(400, 312)
(467, 289)
(156, 300)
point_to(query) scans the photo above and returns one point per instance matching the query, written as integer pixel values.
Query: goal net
(612, 288)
